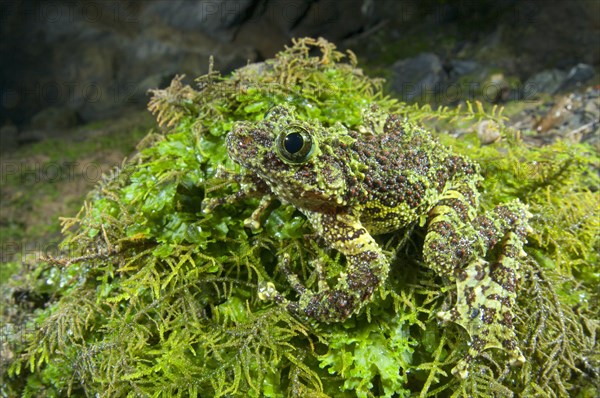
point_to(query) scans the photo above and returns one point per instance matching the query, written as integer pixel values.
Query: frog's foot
(250, 187)
(253, 222)
(268, 292)
(326, 305)
(485, 297)
(367, 268)
(354, 288)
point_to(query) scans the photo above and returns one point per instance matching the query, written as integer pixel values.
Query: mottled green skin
(386, 176)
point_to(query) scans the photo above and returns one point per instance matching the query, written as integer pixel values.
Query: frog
(384, 175)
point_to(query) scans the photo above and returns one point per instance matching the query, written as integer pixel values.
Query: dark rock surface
(547, 81)
(573, 117)
(413, 78)
(577, 76)
(98, 58)
(54, 118)
(555, 80)
(95, 56)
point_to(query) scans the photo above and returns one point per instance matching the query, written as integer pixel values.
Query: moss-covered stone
(155, 298)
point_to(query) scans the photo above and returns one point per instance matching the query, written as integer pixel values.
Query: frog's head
(292, 156)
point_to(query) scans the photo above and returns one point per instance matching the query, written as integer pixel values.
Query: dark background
(65, 63)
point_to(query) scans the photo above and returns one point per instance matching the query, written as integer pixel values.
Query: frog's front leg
(250, 187)
(367, 268)
(456, 245)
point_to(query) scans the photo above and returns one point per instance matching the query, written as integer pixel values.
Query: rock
(334, 20)
(157, 80)
(31, 136)
(488, 132)
(547, 81)
(592, 107)
(54, 118)
(217, 19)
(286, 14)
(8, 137)
(414, 78)
(497, 89)
(94, 57)
(574, 117)
(460, 67)
(578, 75)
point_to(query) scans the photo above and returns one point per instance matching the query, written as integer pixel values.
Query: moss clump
(157, 299)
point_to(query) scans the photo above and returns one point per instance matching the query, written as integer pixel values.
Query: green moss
(156, 298)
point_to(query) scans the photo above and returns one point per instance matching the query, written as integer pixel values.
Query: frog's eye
(295, 145)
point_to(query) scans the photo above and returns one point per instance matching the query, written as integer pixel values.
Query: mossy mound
(155, 298)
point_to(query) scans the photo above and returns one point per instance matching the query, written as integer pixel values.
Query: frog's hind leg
(485, 292)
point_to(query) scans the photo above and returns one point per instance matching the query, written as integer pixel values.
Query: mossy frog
(383, 176)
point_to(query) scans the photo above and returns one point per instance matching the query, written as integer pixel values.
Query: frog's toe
(447, 316)
(267, 291)
(252, 224)
(208, 205)
(331, 306)
(517, 358)
(461, 370)
(485, 296)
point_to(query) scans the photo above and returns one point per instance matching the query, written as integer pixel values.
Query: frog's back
(404, 171)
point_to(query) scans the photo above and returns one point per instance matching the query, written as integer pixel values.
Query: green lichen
(155, 298)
